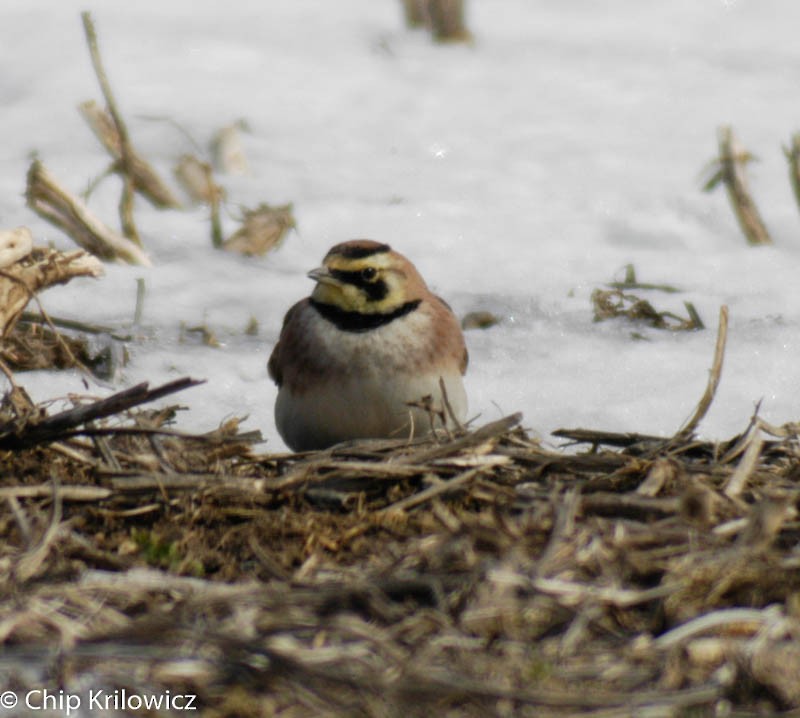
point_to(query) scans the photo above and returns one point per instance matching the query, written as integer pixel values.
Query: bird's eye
(368, 273)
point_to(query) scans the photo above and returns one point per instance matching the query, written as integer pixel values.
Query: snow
(519, 174)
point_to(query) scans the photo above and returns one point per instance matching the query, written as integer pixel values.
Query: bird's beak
(322, 275)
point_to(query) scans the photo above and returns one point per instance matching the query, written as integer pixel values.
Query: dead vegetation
(56, 204)
(469, 575)
(25, 270)
(29, 341)
(729, 169)
(616, 302)
(35, 344)
(262, 229)
(444, 18)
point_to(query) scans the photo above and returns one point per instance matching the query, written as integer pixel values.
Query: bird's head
(366, 277)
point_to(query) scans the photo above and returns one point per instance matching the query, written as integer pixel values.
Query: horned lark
(362, 357)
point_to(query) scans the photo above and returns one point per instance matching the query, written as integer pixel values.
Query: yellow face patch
(367, 285)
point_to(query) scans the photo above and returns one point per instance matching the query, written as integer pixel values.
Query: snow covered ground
(518, 174)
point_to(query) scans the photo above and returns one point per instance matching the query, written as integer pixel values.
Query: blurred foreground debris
(729, 169)
(53, 202)
(469, 575)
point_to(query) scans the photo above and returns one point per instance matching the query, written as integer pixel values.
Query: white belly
(367, 406)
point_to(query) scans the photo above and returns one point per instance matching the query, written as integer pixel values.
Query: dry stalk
(381, 576)
(448, 406)
(51, 428)
(75, 324)
(445, 18)
(563, 526)
(416, 13)
(447, 21)
(197, 179)
(766, 520)
(730, 170)
(125, 149)
(793, 156)
(631, 282)
(572, 593)
(53, 202)
(738, 620)
(662, 472)
(747, 465)
(144, 178)
(216, 221)
(713, 378)
(31, 561)
(66, 493)
(438, 489)
(132, 483)
(20, 518)
(476, 438)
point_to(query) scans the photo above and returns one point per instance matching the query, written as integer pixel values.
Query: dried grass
(481, 574)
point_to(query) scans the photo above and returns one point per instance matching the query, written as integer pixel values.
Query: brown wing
(464, 358)
(275, 363)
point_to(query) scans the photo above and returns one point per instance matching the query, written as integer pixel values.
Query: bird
(367, 354)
